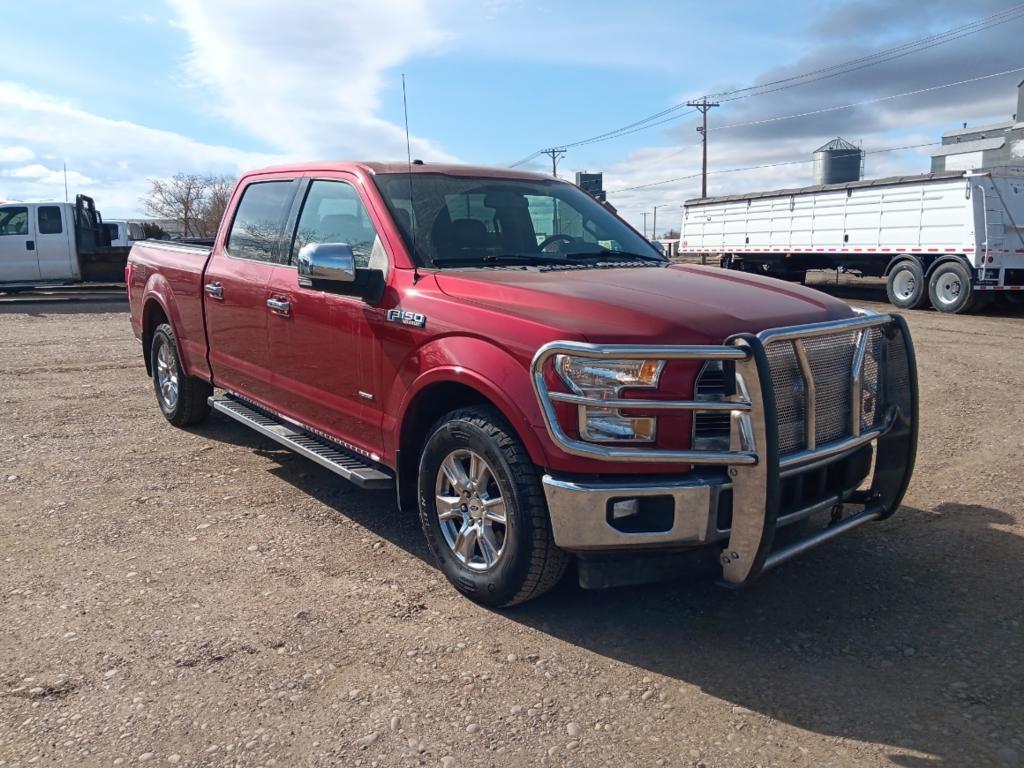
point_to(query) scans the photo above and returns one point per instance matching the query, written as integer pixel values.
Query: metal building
(592, 183)
(985, 146)
(837, 162)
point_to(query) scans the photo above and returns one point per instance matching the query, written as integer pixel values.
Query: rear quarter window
(258, 225)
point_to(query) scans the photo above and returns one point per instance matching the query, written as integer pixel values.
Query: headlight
(603, 380)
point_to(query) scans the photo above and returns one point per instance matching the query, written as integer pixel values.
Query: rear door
(321, 344)
(18, 259)
(53, 243)
(235, 287)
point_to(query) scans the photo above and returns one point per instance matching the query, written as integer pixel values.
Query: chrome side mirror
(326, 263)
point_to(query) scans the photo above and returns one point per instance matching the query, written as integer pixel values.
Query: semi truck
(525, 371)
(57, 244)
(952, 239)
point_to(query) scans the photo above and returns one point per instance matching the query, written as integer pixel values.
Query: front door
(18, 260)
(235, 284)
(321, 343)
(53, 243)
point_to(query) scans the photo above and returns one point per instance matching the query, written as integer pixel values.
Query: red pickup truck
(523, 367)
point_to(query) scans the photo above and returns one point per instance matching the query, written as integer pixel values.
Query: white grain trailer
(953, 238)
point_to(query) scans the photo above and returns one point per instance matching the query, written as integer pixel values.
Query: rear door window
(49, 220)
(259, 221)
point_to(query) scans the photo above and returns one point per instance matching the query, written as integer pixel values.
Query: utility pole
(645, 224)
(703, 106)
(556, 154)
(654, 225)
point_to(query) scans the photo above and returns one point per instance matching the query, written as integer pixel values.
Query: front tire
(483, 511)
(182, 398)
(906, 286)
(950, 289)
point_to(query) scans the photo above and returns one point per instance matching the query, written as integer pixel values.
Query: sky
(122, 92)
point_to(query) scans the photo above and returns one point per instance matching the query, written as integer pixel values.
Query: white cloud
(108, 159)
(16, 154)
(139, 18)
(44, 176)
(305, 81)
(307, 78)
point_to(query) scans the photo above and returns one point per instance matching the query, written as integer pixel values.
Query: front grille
(831, 360)
(711, 429)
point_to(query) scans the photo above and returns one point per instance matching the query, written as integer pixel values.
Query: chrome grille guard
(753, 461)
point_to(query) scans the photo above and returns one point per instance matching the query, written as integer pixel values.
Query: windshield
(471, 221)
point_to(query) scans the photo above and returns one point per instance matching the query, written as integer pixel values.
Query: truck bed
(174, 272)
(103, 265)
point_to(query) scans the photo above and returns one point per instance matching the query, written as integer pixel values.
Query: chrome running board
(326, 454)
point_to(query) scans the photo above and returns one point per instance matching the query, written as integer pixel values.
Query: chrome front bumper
(752, 470)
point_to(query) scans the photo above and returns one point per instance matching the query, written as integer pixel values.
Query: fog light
(641, 514)
(625, 508)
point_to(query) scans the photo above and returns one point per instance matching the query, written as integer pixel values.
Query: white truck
(953, 238)
(124, 233)
(57, 244)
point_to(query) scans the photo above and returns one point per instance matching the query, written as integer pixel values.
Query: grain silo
(837, 162)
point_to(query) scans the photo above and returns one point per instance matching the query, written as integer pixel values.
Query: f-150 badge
(415, 319)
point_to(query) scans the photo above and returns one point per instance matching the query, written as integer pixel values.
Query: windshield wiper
(522, 259)
(526, 259)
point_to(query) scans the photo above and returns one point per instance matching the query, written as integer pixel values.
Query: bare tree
(215, 202)
(179, 198)
(195, 203)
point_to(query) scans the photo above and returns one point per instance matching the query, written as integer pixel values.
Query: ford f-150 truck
(526, 370)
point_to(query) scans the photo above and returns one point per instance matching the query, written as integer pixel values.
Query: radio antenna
(408, 159)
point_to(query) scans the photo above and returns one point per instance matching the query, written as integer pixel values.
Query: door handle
(214, 291)
(279, 306)
(30, 245)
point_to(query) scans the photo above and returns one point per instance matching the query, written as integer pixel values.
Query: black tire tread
(922, 300)
(547, 563)
(968, 304)
(193, 405)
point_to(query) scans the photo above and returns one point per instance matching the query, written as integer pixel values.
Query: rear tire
(949, 288)
(506, 562)
(182, 399)
(906, 286)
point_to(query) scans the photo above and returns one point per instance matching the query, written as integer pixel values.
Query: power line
(618, 133)
(905, 49)
(767, 165)
(823, 110)
(879, 57)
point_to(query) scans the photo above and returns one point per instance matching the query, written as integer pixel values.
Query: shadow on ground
(906, 633)
(855, 291)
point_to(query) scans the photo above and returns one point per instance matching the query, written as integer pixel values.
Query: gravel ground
(203, 598)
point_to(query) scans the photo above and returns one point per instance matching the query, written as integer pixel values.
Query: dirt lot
(202, 598)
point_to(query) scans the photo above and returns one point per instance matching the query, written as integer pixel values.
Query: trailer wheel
(906, 286)
(949, 288)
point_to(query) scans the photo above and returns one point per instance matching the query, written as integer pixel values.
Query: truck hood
(679, 304)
